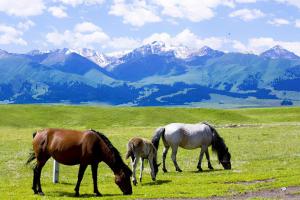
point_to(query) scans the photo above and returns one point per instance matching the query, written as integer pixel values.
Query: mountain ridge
(153, 74)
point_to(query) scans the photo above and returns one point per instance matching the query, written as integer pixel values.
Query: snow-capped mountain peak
(156, 47)
(37, 52)
(183, 52)
(279, 52)
(99, 58)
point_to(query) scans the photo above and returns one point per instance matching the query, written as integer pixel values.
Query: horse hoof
(134, 182)
(41, 193)
(200, 169)
(76, 194)
(165, 170)
(211, 168)
(98, 194)
(179, 170)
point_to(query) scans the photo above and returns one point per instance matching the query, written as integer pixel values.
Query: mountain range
(152, 75)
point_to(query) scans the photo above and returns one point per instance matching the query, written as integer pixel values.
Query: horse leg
(141, 169)
(173, 156)
(37, 176)
(165, 151)
(208, 159)
(200, 159)
(34, 182)
(134, 164)
(94, 173)
(80, 176)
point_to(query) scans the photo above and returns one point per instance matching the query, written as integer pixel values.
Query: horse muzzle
(226, 165)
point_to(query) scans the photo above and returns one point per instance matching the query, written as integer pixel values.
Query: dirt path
(289, 193)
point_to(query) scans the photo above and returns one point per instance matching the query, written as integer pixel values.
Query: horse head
(155, 167)
(155, 170)
(122, 179)
(225, 159)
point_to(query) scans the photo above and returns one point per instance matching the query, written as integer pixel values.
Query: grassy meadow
(265, 150)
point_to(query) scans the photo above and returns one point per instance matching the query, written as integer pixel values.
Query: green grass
(269, 150)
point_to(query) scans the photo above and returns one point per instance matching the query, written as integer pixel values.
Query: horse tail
(31, 156)
(160, 132)
(218, 144)
(130, 150)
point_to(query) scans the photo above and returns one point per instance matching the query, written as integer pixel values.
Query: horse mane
(218, 143)
(118, 160)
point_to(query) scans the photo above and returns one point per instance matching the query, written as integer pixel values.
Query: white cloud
(57, 38)
(278, 22)
(186, 38)
(10, 35)
(25, 25)
(123, 43)
(136, 13)
(22, 8)
(86, 27)
(245, 1)
(193, 10)
(58, 12)
(260, 44)
(297, 23)
(75, 3)
(247, 14)
(165, 37)
(190, 39)
(139, 12)
(89, 35)
(290, 2)
(84, 35)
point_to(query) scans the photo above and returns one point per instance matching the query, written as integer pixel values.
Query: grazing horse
(141, 148)
(70, 147)
(191, 136)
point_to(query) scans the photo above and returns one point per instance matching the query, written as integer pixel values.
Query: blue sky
(110, 26)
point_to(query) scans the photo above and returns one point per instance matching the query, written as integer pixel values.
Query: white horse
(191, 136)
(140, 149)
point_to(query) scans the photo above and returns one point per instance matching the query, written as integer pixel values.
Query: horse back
(188, 136)
(68, 147)
(141, 147)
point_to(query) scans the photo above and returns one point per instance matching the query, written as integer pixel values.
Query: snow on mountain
(207, 51)
(181, 52)
(279, 52)
(99, 58)
(38, 52)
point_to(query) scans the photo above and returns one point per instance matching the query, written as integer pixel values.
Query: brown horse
(72, 147)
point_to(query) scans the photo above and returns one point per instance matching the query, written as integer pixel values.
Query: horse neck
(153, 153)
(219, 146)
(110, 158)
